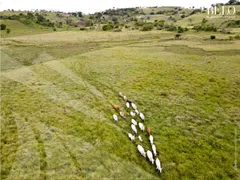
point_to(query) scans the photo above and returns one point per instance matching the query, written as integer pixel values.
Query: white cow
(136, 111)
(134, 106)
(134, 128)
(115, 117)
(134, 122)
(131, 137)
(127, 104)
(142, 116)
(120, 94)
(141, 150)
(132, 114)
(151, 139)
(141, 126)
(158, 164)
(140, 138)
(150, 156)
(154, 150)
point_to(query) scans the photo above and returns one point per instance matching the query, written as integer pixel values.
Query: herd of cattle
(134, 124)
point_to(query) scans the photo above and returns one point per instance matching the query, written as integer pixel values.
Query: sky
(91, 6)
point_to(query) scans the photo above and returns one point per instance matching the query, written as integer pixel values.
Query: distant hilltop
(169, 18)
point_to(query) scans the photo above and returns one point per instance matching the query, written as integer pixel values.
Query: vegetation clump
(205, 27)
(107, 27)
(3, 26)
(83, 28)
(147, 27)
(212, 37)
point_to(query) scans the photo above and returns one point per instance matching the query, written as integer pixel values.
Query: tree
(115, 20)
(40, 18)
(232, 2)
(80, 14)
(74, 14)
(3, 27)
(30, 15)
(98, 15)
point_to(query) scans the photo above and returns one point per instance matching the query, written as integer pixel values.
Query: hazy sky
(90, 6)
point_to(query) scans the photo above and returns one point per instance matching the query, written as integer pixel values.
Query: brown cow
(149, 131)
(116, 107)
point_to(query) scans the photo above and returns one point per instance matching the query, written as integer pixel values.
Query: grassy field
(57, 92)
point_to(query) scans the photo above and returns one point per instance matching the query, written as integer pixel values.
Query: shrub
(160, 12)
(233, 23)
(212, 37)
(183, 16)
(197, 28)
(210, 28)
(30, 15)
(204, 21)
(159, 23)
(3, 27)
(26, 21)
(21, 14)
(205, 27)
(69, 22)
(8, 31)
(13, 17)
(115, 20)
(60, 24)
(152, 13)
(180, 29)
(147, 27)
(139, 23)
(237, 37)
(170, 27)
(107, 27)
(40, 18)
(54, 29)
(127, 26)
(177, 36)
(83, 29)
